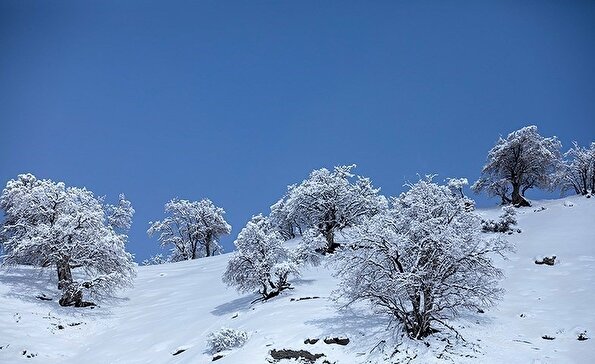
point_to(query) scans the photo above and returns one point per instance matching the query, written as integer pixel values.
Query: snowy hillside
(173, 307)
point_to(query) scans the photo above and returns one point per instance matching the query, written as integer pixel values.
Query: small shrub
(225, 339)
(504, 223)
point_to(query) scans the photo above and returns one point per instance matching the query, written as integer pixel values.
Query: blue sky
(235, 100)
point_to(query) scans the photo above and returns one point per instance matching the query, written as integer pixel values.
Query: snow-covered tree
(193, 229)
(524, 160)
(120, 216)
(456, 185)
(48, 224)
(331, 201)
(261, 262)
(155, 260)
(577, 172)
(493, 188)
(422, 261)
(281, 221)
(309, 249)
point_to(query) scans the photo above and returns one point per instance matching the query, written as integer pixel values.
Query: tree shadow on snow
(302, 282)
(239, 304)
(28, 284)
(245, 303)
(360, 325)
(375, 334)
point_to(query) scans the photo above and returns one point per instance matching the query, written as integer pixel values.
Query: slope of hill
(173, 308)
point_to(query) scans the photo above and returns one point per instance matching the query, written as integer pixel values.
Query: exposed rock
(547, 260)
(295, 354)
(29, 355)
(311, 341)
(336, 340)
(582, 336)
(217, 357)
(547, 337)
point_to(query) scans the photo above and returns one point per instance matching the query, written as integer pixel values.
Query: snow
(176, 306)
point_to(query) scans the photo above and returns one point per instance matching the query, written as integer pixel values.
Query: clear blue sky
(235, 100)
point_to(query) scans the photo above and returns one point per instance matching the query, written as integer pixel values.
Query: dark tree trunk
(331, 246)
(524, 190)
(73, 296)
(208, 244)
(418, 325)
(64, 274)
(517, 198)
(504, 199)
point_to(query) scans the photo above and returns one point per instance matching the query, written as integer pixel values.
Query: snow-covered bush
(192, 229)
(50, 225)
(577, 172)
(523, 160)
(331, 201)
(504, 223)
(422, 261)
(226, 339)
(261, 262)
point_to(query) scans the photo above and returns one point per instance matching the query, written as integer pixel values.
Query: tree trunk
(64, 274)
(73, 296)
(517, 198)
(504, 200)
(331, 246)
(208, 243)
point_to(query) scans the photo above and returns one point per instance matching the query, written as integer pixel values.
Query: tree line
(420, 257)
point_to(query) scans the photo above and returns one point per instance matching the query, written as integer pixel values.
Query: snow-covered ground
(174, 307)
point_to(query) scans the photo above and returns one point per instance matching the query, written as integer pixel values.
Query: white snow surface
(174, 307)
